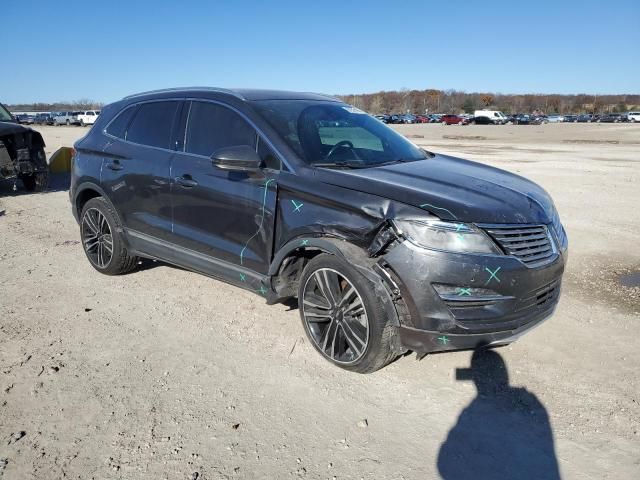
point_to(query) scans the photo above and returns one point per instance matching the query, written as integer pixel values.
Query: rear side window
(118, 127)
(212, 126)
(153, 123)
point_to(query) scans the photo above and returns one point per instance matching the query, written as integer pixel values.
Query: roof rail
(185, 89)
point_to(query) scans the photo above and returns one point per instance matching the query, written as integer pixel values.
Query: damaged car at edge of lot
(22, 154)
(387, 247)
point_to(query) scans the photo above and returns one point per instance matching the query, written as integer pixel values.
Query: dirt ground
(164, 373)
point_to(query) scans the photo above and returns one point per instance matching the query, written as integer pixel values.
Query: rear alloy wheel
(342, 316)
(102, 239)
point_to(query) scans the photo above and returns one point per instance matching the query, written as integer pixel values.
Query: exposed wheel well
(83, 197)
(285, 282)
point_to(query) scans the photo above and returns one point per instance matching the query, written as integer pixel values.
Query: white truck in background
(495, 116)
(87, 117)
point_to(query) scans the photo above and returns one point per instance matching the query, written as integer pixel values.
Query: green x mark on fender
(297, 206)
(243, 278)
(443, 340)
(464, 291)
(262, 290)
(458, 228)
(492, 275)
(304, 243)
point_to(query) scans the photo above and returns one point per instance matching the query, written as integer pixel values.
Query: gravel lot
(164, 373)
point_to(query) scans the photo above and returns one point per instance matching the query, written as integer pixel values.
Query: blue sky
(67, 50)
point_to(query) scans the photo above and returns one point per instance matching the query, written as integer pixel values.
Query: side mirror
(240, 158)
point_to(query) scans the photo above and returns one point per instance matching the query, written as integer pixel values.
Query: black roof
(239, 93)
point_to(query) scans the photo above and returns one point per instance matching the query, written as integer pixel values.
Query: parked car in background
(584, 118)
(496, 116)
(538, 119)
(422, 119)
(570, 118)
(43, 119)
(612, 118)
(88, 117)
(64, 118)
(554, 118)
(385, 249)
(25, 119)
(453, 120)
(434, 117)
(22, 153)
(483, 121)
(633, 117)
(408, 118)
(520, 119)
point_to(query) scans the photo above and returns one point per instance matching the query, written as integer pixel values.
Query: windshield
(333, 134)
(5, 116)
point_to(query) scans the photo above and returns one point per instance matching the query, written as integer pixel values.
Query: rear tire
(343, 318)
(103, 240)
(36, 182)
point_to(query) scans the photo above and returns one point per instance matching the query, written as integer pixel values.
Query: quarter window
(212, 126)
(153, 123)
(118, 127)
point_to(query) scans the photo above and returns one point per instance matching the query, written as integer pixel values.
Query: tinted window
(118, 127)
(153, 123)
(267, 156)
(212, 126)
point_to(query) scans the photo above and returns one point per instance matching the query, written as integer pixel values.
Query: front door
(226, 215)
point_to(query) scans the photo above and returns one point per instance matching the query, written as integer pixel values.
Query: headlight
(448, 236)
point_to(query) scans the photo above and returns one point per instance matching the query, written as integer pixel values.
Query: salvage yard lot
(163, 373)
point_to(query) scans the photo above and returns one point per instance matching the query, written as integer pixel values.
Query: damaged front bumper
(465, 301)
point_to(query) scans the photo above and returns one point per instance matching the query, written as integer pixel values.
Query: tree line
(456, 101)
(433, 101)
(82, 104)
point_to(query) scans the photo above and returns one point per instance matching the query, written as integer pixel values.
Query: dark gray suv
(386, 246)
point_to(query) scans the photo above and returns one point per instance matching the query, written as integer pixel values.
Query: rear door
(227, 215)
(136, 167)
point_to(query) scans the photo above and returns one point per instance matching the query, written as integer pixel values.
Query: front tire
(342, 316)
(102, 238)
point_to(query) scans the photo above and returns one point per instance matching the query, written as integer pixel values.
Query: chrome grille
(529, 243)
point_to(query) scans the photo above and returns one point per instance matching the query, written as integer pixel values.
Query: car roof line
(186, 89)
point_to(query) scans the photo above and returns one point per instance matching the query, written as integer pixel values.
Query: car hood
(452, 189)
(8, 128)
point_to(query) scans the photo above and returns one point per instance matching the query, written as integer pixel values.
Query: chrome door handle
(114, 166)
(186, 181)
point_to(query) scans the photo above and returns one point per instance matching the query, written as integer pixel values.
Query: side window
(118, 127)
(212, 126)
(269, 159)
(153, 123)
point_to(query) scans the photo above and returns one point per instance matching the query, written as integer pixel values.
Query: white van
(495, 115)
(633, 116)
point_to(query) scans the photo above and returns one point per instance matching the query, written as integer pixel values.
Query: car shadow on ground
(504, 433)
(58, 182)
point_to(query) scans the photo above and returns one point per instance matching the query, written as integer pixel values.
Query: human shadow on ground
(503, 434)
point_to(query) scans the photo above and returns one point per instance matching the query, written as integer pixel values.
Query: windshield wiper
(341, 165)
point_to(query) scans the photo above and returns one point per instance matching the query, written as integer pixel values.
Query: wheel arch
(289, 262)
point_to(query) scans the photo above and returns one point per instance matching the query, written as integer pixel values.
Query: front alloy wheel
(335, 316)
(344, 314)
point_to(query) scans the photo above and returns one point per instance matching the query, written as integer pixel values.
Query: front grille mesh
(530, 243)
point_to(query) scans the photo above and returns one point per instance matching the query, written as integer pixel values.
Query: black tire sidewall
(378, 349)
(119, 251)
